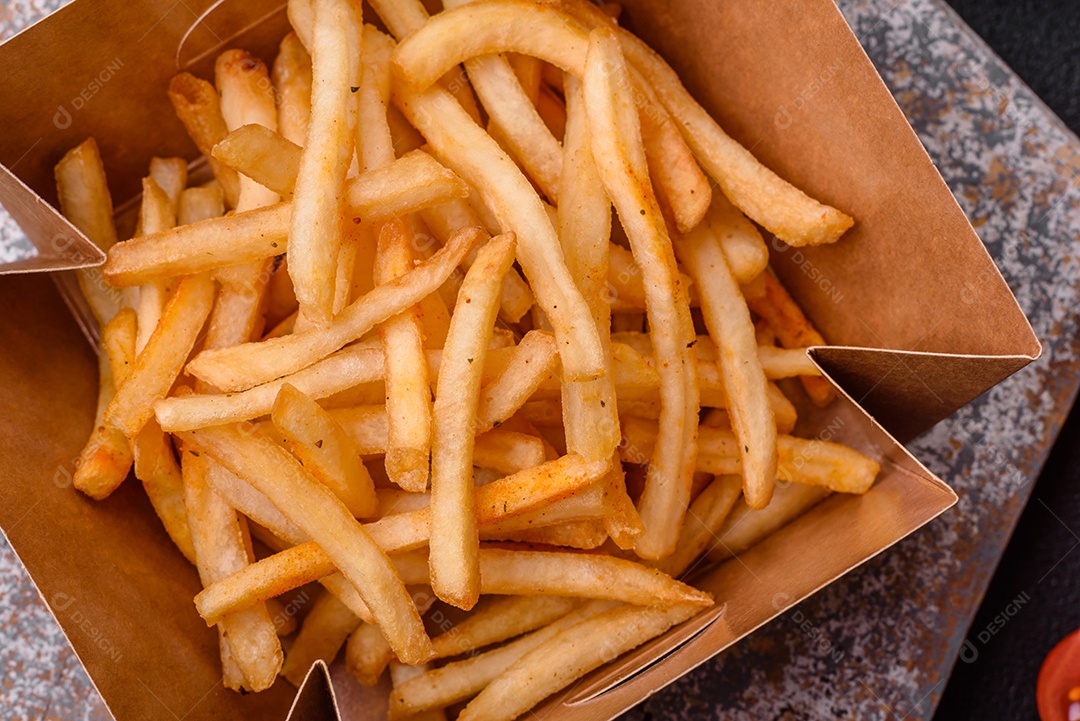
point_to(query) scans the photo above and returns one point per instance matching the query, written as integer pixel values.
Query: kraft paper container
(920, 320)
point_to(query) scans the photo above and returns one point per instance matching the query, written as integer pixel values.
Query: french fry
(682, 189)
(744, 527)
(158, 366)
(315, 227)
(247, 365)
(262, 155)
(535, 358)
(408, 388)
(703, 520)
(106, 459)
(783, 409)
(198, 107)
(477, 158)
(454, 541)
(463, 679)
(157, 214)
(367, 654)
(338, 372)
(485, 28)
(584, 535)
(569, 655)
(772, 202)
(528, 72)
(221, 548)
(325, 449)
(171, 175)
(443, 220)
(511, 497)
(744, 248)
(793, 329)
(248, 500)
(199, 204)
(553, 112)
(282, 479)
(620, 158)
(730, 327)
(324, 631)
(498, 620)
(399, 674)
(85, 201)
(590, 410)
(292, 87)
(157, 468)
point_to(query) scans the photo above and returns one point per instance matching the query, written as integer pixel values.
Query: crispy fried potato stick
(85, 201)
(744, 527)
(499, 619)
(705, 517)
(221, 547)
(198, 107)
(408, 387)
(158, 366)
(730, 327)
(514, 496)
(321, 515)
(315, 228)
(465, 147)
(569, 655)
(324, 448)
(107, 457)
(292, 87)
(157, 468)
(253, 363)
(620, 158)
(324, 631)
(460, 680)
(368, 654)
(793, 329)
(199, 204)
(534, 359)
(590, 410)
(455, 573)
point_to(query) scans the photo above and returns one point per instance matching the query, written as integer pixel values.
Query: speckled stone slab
(880, 643)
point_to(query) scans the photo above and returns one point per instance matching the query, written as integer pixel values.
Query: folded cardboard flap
(786, 78)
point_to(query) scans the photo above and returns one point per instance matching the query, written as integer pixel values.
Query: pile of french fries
(398, 339)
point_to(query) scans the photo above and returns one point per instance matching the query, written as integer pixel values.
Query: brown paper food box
(921, 320)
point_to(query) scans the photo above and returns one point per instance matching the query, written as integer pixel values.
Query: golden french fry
(498, 619)
(158, 366)
(292, 86)
(466, 148)
(157, 468)
(260, 154)
(247, 365)
(315, 227)
(368, 654)
(744, 527)
(198, 107)
(622, 522)
(106, 459)
(772, 202)
(793, 329)
(199, 204)
(703, 520)
(157, 213)
(408, 387)
(744, 248)
(171, 175)
(248, 500)
(486, 28)
(460, 680)
(783, 409)
(728, 321)
(620, 158)
(454, 542)
(86, 203)
(374, 144)
(335, 373)
(590, 410)
(534, 359)
(585, 535)
(282, 479)
(569, 655)
(221, 548)
(325, 450)
(681, 188)
(443, 220)
(522, 495)
(324, 631)
(399, 674)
